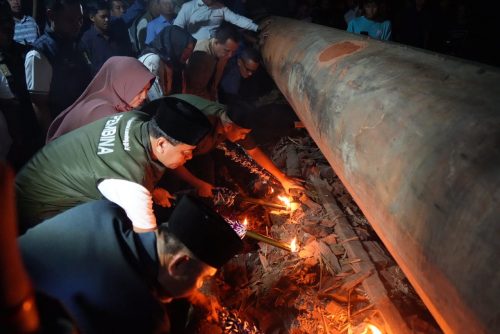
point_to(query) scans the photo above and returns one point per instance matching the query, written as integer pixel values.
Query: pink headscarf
(116, 84)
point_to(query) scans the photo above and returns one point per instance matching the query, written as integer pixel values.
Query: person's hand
(205, 189)
(290, 183)
(162, 197)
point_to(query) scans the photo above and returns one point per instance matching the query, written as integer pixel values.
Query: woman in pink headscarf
(121, 84)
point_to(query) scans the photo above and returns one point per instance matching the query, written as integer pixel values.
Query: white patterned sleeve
(133, 198)
(38, 72)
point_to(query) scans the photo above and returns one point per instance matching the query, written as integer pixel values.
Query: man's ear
(227, 127)
(162, 144)
(91, 17)
(158, 145)
(178, 267)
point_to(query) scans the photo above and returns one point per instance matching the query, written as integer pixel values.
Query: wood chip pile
(340, 280)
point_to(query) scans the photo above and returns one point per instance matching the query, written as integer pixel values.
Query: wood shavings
(315, 290)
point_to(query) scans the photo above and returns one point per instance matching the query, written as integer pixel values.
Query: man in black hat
(234, 123)
(113, 280)
(121, 157)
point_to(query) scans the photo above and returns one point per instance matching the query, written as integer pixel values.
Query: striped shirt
(26, 30)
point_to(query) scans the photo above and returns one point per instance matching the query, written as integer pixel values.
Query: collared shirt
(201, 20)
(155, 26)
(58, 68)
(26, 30)
(100, 48)
(208, 47)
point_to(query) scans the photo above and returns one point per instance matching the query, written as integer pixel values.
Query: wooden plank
(377, 254)
(395, 324)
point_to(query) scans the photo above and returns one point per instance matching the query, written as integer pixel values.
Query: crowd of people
(52, 72)
(106, 108)
(104, 104)
(462, 28)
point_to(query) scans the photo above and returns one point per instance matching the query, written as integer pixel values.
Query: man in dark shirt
(104, 39)
(238, 68)
(57, 70)
(120, 157)
(15, 102)
(113, 280)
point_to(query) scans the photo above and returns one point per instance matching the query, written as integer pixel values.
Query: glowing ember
(279, 212)
(286, 201)
(374, 329)
(371, 329)
(272, 190)
(294, 206)
(293, 245)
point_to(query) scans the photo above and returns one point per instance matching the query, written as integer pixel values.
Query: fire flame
(286, 201)
(293, 245)
(245, 222)
(371, 329)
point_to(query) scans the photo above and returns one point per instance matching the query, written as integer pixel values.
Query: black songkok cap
(241, 114)
(179, 119)
(204, 232)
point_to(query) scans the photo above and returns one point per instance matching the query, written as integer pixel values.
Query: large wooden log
(415, 138)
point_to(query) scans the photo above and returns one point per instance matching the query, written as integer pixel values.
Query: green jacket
(66, 172)
(213, 111)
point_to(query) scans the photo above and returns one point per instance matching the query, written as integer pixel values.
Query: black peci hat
(241, 114)
(204, 232)
(179, 119)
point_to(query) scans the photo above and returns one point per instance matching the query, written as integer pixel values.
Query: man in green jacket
(121, 158)
(232, 123)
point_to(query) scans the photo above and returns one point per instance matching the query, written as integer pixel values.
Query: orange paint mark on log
(337, 50)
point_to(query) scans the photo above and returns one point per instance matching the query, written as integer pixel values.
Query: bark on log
(415, 138)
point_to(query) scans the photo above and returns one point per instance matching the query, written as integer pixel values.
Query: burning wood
(242, 230)
(315, 291)
(290, 205)
(264, 203)
(236, 154)
(231, 323)
(291, 247)
(226, 197)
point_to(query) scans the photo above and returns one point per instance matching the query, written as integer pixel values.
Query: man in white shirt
(202, 17)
